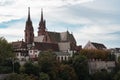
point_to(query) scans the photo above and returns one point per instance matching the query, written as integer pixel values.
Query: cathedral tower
(42, 25)
(29, 31)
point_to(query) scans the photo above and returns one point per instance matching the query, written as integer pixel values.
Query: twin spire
(29, 30)
(29, 19)
(42, 23)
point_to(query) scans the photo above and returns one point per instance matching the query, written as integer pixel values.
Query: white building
(20, 50)
(63, 56)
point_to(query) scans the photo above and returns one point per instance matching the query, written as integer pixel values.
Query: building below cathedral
(63, 44)
(95, 46)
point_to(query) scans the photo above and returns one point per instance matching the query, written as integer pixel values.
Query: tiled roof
(46, 46)
(54, 36)
(71, 38)
(99, 45)
(19, 44)
(64, 36)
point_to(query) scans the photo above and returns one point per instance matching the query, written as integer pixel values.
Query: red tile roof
(46, 46)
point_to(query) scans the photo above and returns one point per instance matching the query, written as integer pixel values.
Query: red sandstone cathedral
(64, 43)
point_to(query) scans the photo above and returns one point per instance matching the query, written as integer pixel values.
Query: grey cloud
(6, 2)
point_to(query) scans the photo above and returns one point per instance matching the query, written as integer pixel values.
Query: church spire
(29, 31)
(29, 14)
(41, 14)
(42, 25)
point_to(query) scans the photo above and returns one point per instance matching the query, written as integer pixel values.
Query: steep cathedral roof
(54, 36)
(61, 37)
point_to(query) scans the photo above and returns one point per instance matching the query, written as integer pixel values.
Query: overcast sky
(88, 20)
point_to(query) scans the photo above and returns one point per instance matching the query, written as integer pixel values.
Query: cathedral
(62, 43)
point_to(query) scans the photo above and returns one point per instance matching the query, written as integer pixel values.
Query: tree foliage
(6, 50)
(102, 75)
(48, 64)
(31, 68)
(117, 76)
(80, 65)
(15, 76)
(6, 54)
(43, 76)
(67, 73)
(16, 67)
(96, 54)
(48, 68)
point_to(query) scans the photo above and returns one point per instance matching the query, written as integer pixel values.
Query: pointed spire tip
(29, 13)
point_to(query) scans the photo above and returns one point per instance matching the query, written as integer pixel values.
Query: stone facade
(98, 65)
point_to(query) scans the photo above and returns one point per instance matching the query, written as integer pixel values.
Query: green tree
(31, 68)
(15, 76)
(117, 76)
(97, 54)
(102, 75)
(6, 51)
(48, 64)
(80, 64)
(67, 73)
(6, 54)
(111, 57)
(43, 76)
(6, 66)
(17, 67)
